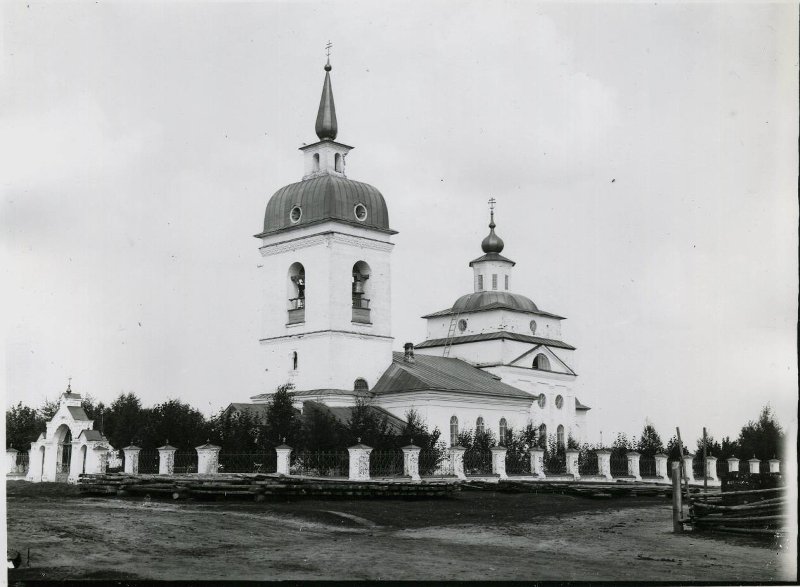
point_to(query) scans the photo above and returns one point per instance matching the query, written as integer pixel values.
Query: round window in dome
(361, 212)
(533, 326)
(462, 325)
(295, 214)
(559, 402)
(542, 401)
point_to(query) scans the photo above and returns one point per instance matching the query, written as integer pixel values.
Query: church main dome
(485, 300)
(328, 197)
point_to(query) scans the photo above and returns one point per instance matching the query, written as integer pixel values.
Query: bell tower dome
(326, 273)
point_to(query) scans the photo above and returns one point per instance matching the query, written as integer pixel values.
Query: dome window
(503, 431)
(542, 436)
(560, 435)
(533, 326)
(453, 431)
(480, 426)
(541, 362)
(360, 385)
(295, 214)
(559, 401)
(462, 325)
(361, 212)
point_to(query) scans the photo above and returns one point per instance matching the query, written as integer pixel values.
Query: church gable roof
(429, 373)
(92, 435)
(540, 348)
(343, 414)
(77, 413)
(502, 335)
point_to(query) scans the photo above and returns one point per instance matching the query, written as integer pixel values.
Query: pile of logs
(252, 486)
(759, 511)
(593, 490)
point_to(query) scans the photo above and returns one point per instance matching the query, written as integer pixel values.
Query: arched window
(480, 282)
(479, 426)
(296, 290)
(503, 431)
(316, 162)
(294, 360)
(337, 162)
(506, 282)
(360, 385)
(494, 281)
(560, 435)
(453, 431)
(541, 362)
(542, 440)
(361, 293)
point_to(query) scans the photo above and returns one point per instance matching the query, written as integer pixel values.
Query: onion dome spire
(492, 243)
(326, 127)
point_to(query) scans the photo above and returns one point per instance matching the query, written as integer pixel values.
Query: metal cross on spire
(328, 49)
(492, 202)
(69, 384)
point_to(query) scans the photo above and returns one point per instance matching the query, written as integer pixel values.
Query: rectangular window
(494, 281)
(480, 282)
(506, 282)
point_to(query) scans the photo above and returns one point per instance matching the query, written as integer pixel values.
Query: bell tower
(326, 272)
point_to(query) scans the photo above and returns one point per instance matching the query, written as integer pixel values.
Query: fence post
(499, 461)
(754, 466)
(711, 469)
(166, 459)
(283, 453)
(537, 462)
(774, 466)
(688, 469)
(677, 525)
(661, 466)
(633, 465)
(733, 465)
(11, 460)
(132, 459)
(411, 461)
(572, 462)
(457, 458)
(99, 461)
(359, 461)
(207, 459)
(604, 463)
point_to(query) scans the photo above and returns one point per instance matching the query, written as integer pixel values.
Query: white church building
(492, 360)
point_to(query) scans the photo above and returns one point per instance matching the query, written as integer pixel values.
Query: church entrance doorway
(64, 454)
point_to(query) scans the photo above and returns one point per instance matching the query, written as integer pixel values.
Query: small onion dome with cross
(325, 193)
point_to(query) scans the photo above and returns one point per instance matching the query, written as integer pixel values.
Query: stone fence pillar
(166, 459)
(207, 459)
(572, 462)
(688, 469)
(604, 463)
(97, 460)
(755, 466)
(711, 469)
(661, 466)
(283, 453)
(359, 461)
(733, 465)
(633, 465)
(457, 459)
(537, 462)
(11, 460)
(411, 461)
(774, 466)
(499, 461)
(132, 459)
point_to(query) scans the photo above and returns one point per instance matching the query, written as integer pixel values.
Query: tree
(673, 450)
(181, 424)
(650, 442)
(282, 423)
(372, 428)
(416, 430)
(237, 431)
(124, 421)
(320, 430)
(48, 410)
(621, 445)
(762, 438)
(23, 426)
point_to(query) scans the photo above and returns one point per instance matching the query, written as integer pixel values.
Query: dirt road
(477, 535)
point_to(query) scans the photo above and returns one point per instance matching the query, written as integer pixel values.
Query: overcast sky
(644, 160)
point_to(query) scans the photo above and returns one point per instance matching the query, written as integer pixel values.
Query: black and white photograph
(399, 291)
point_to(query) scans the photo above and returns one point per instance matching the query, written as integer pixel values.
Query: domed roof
(327, 197)
(493, 299)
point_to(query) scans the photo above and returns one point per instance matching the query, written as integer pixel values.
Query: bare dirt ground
(478, 535)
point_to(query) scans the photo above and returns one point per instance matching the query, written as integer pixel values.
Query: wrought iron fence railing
(251, 462)
(185, 461)
(320, 464)
(148, 462)
(477, 462)
(21, 464)
(647, 466)
(698, 467)
(588, 464)
(555, 463)
(386, 463)
(518, 463)
(722, 467)
(435, 462)
(619, 465)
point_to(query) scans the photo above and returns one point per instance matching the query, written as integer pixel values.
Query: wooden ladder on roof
(451, 332)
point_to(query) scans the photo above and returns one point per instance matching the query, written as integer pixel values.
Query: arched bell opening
(296, 293)
(63, 438)
(361, 293)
